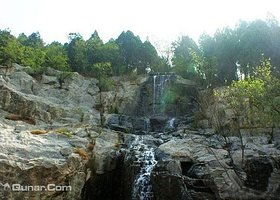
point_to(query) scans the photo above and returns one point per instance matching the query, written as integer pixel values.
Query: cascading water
(145, 156)
(143, 152)
(159, 83)
(170, 123)
(154, 93)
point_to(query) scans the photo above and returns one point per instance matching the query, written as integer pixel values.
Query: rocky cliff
(153, 145)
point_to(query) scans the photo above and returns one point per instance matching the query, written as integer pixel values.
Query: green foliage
(136, 54)
(102, 71)
(33, 58)
(175, 95)
(161, 65)
(36, 72)
(63, 76)
(11, 50)
(125, 55)
(182, 59)
(256, 98)
(34, 40)
(246, 44)
(106, 84)
(93, 49)
(77, 53)
(56, 57)
(205, 68)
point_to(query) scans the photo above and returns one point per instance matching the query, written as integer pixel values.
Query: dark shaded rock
(161, 155)
(141, 124)
(197, 171)
(258, 172)
(186, 166)
(119, 128)
(107, 186)
(167, 186)
(121, 123)
(158, 123)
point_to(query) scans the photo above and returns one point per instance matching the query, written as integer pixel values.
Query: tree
(34, 40)
(76, 51)
(149, 57)
(56, 57)
(110, 52)
(93, 49)
(226, 54)
(33, 57)
(255, 99)
(11, 51)
(206, 68)
(22, 38)
(62, 77)
(101, 72)
(182, 59)
(129, 45)
(255, 39)
(137, 55)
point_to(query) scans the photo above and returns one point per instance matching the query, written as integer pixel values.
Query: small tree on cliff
(256, 100)
(102, 71)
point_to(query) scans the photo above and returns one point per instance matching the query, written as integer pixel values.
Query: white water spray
(142, 188)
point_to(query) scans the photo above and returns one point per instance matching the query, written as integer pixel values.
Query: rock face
(105, 178)
(39, 160)
(204, 172)
(146, 151)
(154, 96)
(43, 100)
(77, 101)
(65, 147)
(55, 160)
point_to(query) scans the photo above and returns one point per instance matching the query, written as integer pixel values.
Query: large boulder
(158, 123)
(46, 163)
(106, 168)
(44, 100)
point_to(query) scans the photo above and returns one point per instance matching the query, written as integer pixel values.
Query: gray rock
(66, 151)
(51, 80)
(79, 142)
(203, 124)
(81, 133)
(105, 152)
(28, 159)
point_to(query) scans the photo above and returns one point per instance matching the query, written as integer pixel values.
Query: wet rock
(105, 155)
(158, 123)
(203, 124)
(167, 186)
(258, 172)
(141, 124)
(121, 123)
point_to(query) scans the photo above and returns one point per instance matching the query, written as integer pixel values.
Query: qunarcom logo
(25, 188)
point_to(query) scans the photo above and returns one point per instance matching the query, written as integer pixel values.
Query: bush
(62, 77)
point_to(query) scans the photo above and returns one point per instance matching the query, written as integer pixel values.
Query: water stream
(145, 155)
(159, 84)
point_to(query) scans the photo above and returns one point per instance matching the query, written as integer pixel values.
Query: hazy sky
(160, 20)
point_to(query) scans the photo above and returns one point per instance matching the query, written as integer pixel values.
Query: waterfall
(170, 123)
(154, 93)
(142, 188)
(159, 84)
(144, 153)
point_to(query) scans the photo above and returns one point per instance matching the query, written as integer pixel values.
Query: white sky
(160, 20)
